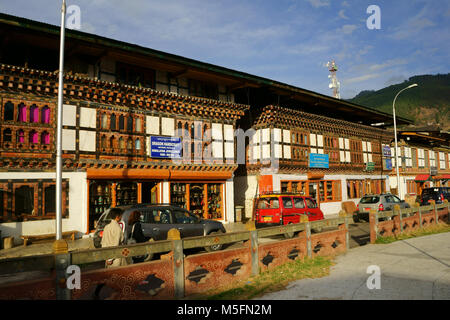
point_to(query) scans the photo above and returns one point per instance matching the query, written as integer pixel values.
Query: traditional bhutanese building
(424, 160)
(128, 110)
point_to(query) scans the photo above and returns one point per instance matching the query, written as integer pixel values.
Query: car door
(288, 211)
(402, 204)
(157, 223)
(312, 209)
(388, 203)
(300, 207)
(188, 224)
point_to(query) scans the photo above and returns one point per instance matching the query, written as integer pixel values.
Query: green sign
(370, 166)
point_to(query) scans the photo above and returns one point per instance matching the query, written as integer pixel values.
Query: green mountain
(428, 104)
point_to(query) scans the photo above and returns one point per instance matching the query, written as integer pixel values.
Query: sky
(289, 41)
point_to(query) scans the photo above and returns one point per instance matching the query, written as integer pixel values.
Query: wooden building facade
(123, 101)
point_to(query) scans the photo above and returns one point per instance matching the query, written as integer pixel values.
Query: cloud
(414, 25)
(388, 64)
(342, 14)
(394, 80)
(319, 3)
(361, 78)
(348, 28)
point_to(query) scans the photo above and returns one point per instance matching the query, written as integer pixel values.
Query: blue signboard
(319, 161)
(387, 164)
(387, 151)
(165, 147)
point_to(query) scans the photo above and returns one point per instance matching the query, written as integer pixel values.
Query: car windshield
(268, 203)
(430, 191)
(370, 199)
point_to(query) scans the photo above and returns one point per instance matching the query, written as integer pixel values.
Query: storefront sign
(165, 147)
(370, 166)
(319, 161)
(387, 151)
(387, 164)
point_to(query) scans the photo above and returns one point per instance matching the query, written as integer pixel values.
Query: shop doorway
(313, 191)
(149, 192)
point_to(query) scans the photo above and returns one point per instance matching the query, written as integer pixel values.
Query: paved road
(412, 269)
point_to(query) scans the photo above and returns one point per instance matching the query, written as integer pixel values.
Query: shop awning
(422, 177)
(442, 177)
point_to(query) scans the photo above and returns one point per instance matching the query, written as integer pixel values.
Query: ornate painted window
(113, 122)
(20, 136)
(34, 138)
(45, 115)
(9, 111)
(45, 138)
(34, 114)
(22, 117)
(7, 135)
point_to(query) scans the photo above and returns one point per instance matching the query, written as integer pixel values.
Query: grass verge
(272, 280)
(433, 229)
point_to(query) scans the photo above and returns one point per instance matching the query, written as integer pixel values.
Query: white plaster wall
(217, 149)
(245, 189)
(77, 219)
(152, 125)
(229, 200)
(167, 126)
(87, 141)
(87, 117)
(165, 192)
(228, 132)
(229, 150)
(68, 139)
(286, 136)
(69, 115)
(216, 131)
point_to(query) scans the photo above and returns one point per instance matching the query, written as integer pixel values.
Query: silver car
(378, 202)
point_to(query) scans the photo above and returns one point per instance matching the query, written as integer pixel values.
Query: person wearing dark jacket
(136, 232)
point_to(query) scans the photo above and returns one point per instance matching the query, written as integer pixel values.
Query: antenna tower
(334, 83)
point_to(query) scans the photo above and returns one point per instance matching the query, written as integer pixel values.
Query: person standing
(113, 237)
(134, 222)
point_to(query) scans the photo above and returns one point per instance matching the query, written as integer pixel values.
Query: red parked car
(283, 209)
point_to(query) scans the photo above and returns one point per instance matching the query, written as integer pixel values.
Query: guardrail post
(419, 212)
(399, 210)
(62, 262)
(308, 239)
(436, 214)
(178, 262)
(347, 233)
(373, 219)
(448, 210)
(254, 252)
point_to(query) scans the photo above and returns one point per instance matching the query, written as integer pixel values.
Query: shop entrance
(149, 192)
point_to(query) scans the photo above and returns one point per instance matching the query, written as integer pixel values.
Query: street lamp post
(60, 245)
(395, 133)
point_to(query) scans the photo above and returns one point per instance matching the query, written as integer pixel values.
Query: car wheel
(214, 247)
(289, 235)
(97, 243)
